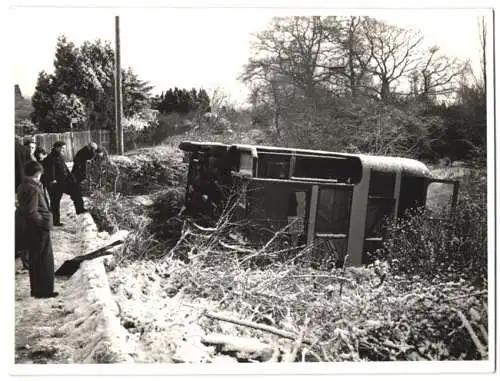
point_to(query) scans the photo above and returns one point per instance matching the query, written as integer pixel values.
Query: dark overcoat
(19, 162)
(34, 220)
(55, 168)
(80, 163)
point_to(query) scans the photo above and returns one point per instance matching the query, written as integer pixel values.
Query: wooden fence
(74, 140)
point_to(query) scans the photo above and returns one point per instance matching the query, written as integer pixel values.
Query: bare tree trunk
(276, 108)
(482, 37)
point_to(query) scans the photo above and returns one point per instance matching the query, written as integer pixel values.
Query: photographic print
(226, 187)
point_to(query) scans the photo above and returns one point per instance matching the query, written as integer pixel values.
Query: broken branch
(250, 324)
(472, 334)
(466, 296)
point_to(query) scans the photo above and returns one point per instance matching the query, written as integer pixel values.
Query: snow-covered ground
(80, 324)
(162, 322)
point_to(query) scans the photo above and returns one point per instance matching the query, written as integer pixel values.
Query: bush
(163, 212)
(150, 218)
(150, 170)
(138, 129)
(113, 212)
(25, 127)
(450, 248)
(352, 314)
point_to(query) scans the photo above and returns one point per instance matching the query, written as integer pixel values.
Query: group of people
(41, 180)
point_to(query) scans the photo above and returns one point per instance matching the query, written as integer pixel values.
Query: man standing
(19, 163)
(21, 250)
(30, 147)
(87, 153)
(59, 180)
(35, 218)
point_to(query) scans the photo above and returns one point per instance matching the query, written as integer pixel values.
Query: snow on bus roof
(381, 163)
(389, 163)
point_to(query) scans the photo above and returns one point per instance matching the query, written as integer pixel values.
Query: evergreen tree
(82, 87)
(203, 101)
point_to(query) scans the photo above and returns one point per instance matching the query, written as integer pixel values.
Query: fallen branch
(264, 248)
(246, 347)
(483, 332)
(235, 248)
(262, 327)
(178, 243)
(466, 296)
(472, 334)
(343, 279)
(201, 228)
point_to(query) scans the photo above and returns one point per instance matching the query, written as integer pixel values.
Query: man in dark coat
(59, 180)
(19, 163)
(22, 153)
(80, 161)
(36, 220)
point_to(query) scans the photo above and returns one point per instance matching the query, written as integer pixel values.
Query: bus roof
(380, 163)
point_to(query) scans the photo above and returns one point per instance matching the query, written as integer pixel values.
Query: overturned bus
(332, 200)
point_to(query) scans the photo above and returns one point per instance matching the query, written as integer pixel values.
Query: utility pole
(118, 90)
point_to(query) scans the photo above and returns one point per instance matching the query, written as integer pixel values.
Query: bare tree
(297, 49)
(394, 54)
(482, 39)
(348, 35)
(439, 74)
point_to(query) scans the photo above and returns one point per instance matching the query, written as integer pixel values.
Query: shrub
(450, 248)
(163, 212)
(351, 314)
(138, 128)
(25, 127)
(150, 170)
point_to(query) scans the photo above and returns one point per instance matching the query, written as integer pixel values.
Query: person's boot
(52, 295)
(79, 207)
(56, 217)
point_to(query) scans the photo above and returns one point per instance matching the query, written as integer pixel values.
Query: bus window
(333, 211)
(441, 197)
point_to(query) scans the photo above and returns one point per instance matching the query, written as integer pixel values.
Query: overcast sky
(200, 47)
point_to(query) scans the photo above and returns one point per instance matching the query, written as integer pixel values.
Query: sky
(201, 47)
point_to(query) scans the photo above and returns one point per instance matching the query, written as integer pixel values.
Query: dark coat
(33, 210)
(19, 162)
(79, 170)
(55, 168)
(33, 224)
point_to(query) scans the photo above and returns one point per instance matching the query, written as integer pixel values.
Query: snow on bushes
(148, 170)
(356, 314)
(386, 311)
(449, 248)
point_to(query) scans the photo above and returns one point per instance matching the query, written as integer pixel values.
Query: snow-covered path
(37, 339)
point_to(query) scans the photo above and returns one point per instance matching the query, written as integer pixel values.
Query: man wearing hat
(59, 180)
(35, 219)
